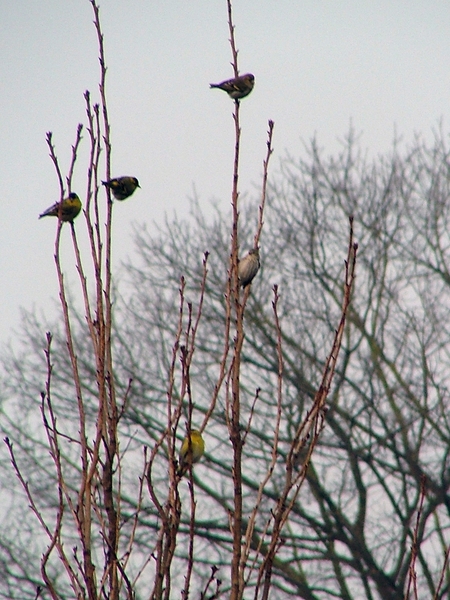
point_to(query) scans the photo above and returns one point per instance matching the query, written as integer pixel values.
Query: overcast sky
(382, 65)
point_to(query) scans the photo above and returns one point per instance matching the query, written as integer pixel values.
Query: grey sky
(318, 65)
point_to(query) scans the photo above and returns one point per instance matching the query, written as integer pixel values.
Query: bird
(248, 267)
(191, 451)
(68, 209)
(238, 87)
(122, 187)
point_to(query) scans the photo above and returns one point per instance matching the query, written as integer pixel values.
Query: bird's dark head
(136, 182)
(73, 196)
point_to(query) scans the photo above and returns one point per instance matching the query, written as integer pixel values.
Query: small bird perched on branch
(191, 451)
(248, 267)
(70, 208)
(238, 87)
(122, 187)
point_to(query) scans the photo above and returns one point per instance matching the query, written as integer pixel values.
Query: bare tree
(310, 487)
(371, 519)
(351, 529)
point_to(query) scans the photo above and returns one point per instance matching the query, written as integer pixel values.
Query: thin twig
(308, 430)
(412, 574)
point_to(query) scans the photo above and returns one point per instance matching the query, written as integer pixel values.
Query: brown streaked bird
(68, 209)
(122, 187)
(238, 87)
(248, 267)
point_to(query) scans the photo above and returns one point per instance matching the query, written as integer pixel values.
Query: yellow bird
(122, 187)
(68, 209)
(191, 451)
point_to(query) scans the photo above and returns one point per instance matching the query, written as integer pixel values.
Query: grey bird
(122, 187)
(248, 267)
(238, 87)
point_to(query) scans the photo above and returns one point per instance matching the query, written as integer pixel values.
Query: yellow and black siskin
(191, 451)
(67, 210)
(122, 187)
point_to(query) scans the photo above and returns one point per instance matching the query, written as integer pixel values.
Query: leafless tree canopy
(385, 433)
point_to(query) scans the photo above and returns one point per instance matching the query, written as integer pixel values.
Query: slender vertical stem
(234, 420)
(107, 385)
